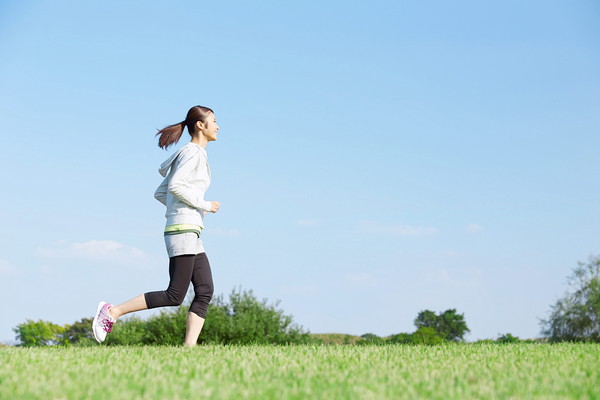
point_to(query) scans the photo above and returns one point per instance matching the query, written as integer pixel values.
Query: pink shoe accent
(106, 321)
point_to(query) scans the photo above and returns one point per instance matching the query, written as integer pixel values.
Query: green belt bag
(196, 231)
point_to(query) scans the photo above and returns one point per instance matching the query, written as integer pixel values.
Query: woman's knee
(175, 298)
(202, 299)
(210, 290)
(204, 293)
(207, 291)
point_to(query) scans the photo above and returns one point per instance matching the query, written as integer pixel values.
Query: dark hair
(171, 134)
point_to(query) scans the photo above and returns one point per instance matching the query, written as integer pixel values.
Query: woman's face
(210, 127)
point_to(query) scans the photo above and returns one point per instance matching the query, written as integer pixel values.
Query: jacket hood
(166, 165)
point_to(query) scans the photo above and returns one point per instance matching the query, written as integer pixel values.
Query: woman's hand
(215, 206)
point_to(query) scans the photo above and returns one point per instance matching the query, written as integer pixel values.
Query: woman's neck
(200, 140)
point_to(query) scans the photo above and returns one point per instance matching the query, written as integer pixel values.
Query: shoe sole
(100, 305)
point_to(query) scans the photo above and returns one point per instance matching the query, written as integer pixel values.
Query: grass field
(459, 371)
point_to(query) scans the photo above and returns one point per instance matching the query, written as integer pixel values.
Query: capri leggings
(183, 270)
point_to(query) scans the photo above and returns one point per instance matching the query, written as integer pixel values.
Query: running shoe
(103, 322)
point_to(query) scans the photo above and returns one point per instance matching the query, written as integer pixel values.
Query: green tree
(576, 316)
(427, 318)
(167, 328)
(245, 319)
(38, 333)
(370, 338)
(79, 333)
(130, 331)
(448, 325)
(508, 338)
(403, 338)
(426, 335)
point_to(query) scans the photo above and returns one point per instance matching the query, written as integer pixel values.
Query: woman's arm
(161, 192)
(179, 186)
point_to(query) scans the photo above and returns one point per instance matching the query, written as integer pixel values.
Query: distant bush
(167, 328)
(335, 338)
(129, 331)
(508, 338)
(485, 341)
(401, 338)
(78, 333)
(370, 338)
(423, 335)
(427, 335)
(245, 320)
(38, 333)
(242, 320)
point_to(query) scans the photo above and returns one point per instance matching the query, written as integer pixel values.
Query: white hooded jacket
(187, 177)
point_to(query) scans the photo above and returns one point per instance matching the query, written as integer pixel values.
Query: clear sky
(375, 159)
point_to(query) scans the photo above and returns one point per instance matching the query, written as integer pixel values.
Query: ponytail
(171, 134)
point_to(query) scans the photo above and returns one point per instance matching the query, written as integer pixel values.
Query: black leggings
(183, 270)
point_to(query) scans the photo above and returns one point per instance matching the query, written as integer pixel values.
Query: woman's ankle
(113, 313)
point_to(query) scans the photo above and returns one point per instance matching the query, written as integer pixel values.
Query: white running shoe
(103, 322)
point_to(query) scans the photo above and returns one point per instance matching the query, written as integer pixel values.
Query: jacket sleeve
(161, 192)
(178, 184)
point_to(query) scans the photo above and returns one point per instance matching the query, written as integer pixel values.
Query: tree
(426, 335)
(404, 338)
(508, 338)
(38, 333)
(426, 318)
(245, 319)
(370, 338)
(448, 325)
(576, 316)
(423, 335)
(78, 333)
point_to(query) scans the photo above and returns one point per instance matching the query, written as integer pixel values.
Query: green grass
(459, 371)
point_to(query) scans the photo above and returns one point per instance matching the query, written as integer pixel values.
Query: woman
(187, 177)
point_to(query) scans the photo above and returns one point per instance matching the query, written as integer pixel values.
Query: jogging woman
(187, 177)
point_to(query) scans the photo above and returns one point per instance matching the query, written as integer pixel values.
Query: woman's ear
(199, 126)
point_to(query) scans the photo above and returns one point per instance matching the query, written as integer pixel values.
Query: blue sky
(374, 159)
